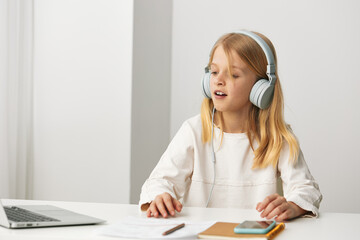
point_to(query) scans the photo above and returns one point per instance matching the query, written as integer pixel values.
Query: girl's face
(230, 95)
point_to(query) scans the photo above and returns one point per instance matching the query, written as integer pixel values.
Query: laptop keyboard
(22, 215)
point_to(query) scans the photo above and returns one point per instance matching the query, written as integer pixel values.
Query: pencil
(174, 229)
(273, 233)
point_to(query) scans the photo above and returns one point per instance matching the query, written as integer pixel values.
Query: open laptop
(29, 216)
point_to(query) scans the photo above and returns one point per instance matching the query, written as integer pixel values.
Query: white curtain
(16, 124)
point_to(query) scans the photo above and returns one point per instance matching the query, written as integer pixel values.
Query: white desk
(327, 226)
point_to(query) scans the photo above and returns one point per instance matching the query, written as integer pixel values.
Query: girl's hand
(163, 204)
(276, 205)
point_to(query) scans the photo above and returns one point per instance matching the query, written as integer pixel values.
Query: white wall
(82, 99)
(4, 177)
(318, 51)
(150, 121)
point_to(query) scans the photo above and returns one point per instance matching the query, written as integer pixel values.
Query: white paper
(150, 228)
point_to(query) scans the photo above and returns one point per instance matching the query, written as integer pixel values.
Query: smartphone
(255, 227)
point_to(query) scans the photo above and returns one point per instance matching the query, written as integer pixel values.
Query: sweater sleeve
(173, 172)
(298, 184)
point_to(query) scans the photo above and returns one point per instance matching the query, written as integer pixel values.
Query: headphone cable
(213, 155)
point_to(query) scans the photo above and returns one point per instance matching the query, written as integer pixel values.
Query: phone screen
(255, 224)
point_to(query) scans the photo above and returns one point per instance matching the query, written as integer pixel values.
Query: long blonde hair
(266, 126)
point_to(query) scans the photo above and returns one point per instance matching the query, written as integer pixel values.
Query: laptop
(30, 216)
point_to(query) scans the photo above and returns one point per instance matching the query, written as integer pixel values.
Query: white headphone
(261, 93)
(263, 90)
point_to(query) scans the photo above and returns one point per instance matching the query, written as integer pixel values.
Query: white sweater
(186, 172)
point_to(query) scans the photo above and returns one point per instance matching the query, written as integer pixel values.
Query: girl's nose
(220, 79)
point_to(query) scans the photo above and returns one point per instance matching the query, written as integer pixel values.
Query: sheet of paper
(149, 228)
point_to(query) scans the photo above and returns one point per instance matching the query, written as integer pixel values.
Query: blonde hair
(266, 126)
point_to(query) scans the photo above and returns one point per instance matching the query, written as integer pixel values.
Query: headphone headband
(270, 70)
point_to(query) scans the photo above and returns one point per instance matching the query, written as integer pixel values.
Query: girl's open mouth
(219, 94)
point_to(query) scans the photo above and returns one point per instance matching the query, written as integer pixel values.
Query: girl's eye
(235, 76)
(213, 73)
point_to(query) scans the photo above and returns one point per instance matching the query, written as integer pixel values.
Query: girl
(237, 153)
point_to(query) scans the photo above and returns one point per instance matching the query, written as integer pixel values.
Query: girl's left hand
(276, 205)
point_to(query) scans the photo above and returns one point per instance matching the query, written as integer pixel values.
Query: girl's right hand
(163, 205)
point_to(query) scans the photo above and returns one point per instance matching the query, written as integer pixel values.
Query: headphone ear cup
(262, 93)
(205, 85)
(266, 96)
(254, 91)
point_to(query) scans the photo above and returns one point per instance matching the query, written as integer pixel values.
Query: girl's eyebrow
(237, 67)
(233, 66)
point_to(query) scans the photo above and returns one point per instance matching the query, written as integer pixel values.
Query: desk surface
(327, 226)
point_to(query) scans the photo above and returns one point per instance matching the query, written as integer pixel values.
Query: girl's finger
(278, 210)
(272, 205)
(169, 204)
(284, 216)
(148, 212)
(153, 210)
(177, 204)
(258, 206)
(267, 200)
(161, 207)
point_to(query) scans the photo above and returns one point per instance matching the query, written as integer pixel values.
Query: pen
(174, 229)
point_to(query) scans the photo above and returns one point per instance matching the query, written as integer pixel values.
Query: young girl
(238, 152)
